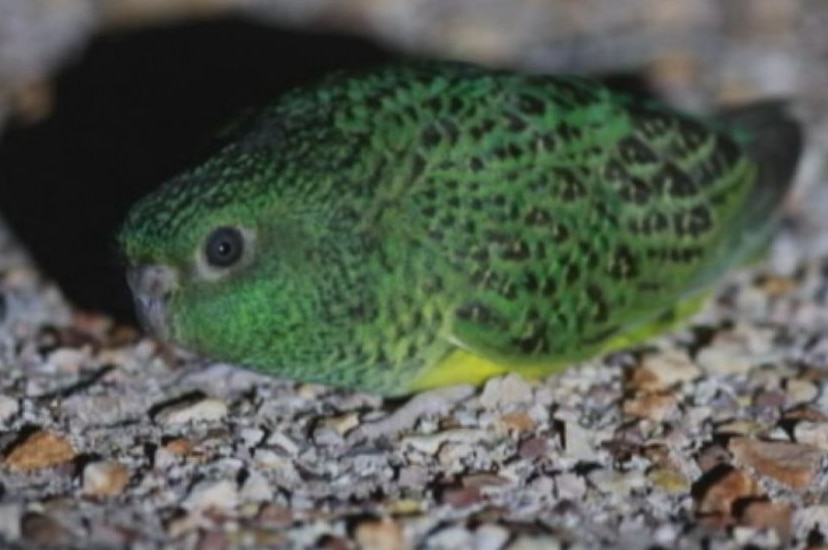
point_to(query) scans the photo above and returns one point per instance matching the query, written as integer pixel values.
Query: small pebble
(430, 444)
(503, 391)
(379, 534)
(219, 495)
(40, 449)
(793, 464)
(255, 488)
(44, 531)
(655, 407)
(569, 486)
(10, 515)
(724, 360)
(763, 514)
(8, 408)
(812, 433)
(208, 409)
(716, 497)
(489, 537)
(104, 478)
(800, 392)
(663, 371)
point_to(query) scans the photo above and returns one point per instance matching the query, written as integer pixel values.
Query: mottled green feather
(403, 213)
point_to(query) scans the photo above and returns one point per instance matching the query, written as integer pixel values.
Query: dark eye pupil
(224, 247)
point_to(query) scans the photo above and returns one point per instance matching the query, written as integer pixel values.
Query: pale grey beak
(151, 287)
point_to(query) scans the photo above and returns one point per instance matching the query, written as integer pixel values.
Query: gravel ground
(715, 435)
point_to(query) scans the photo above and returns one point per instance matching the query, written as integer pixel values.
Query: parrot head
(217, 265)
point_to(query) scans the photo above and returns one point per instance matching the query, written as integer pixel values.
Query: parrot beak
(151, 287)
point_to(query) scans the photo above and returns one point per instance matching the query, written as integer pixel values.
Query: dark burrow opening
(133, 110)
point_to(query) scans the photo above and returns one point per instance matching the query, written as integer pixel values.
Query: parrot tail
(773, 138)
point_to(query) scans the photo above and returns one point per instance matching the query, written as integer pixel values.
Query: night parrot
(431, 223)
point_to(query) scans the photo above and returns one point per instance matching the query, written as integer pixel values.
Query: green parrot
(433, 223)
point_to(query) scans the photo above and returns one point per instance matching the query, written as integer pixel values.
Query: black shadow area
(135, 109)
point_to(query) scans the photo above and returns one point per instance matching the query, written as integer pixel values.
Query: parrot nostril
(151, 281)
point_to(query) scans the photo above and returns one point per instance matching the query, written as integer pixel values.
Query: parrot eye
(224, 247)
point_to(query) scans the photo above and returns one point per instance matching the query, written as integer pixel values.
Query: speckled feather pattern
(406, 211)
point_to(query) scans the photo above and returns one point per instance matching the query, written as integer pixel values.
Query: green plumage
(393, 216)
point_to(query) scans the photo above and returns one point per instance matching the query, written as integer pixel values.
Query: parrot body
(425, 224)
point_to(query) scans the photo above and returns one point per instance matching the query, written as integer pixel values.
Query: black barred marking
(727, 150)
(670, 180)
(429, 137)
(451, 131)
(537, 216)
(623, 264)
(570, 187)
(536, 342)
(591, 257)
(508, 290)
(540, 250)
(374, 101)
(448, 220)
(636, 191)
(517, 251)
(615, 171)
(549, 142)
(531, 105)
(694, 222)
(692, 132)
(573, 273)
(676, 255)
(652, 224)
(634, 151)
(560, 233)
(602, 209)
(434, 103)
(480, 254)
(481, 129)
(574, 91)
(476, 165)
(600, 306)
(418, 166)
(508, 151)
(454, 201)
(515, 123)
(549, 286)
(455, 105)
(568, 132)
(530, 281)
(476, 313)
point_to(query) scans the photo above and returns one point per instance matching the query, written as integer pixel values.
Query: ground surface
(713, 435)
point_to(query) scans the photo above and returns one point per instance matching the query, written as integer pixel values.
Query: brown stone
(764, 514)
(178, 445)
(379, 534)
(517, 421)
(793, 464)
(662, 371)
(715, 497)
(40, 449)
(653, 406)
(44, 531)
(460, 497)
(105, 478)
